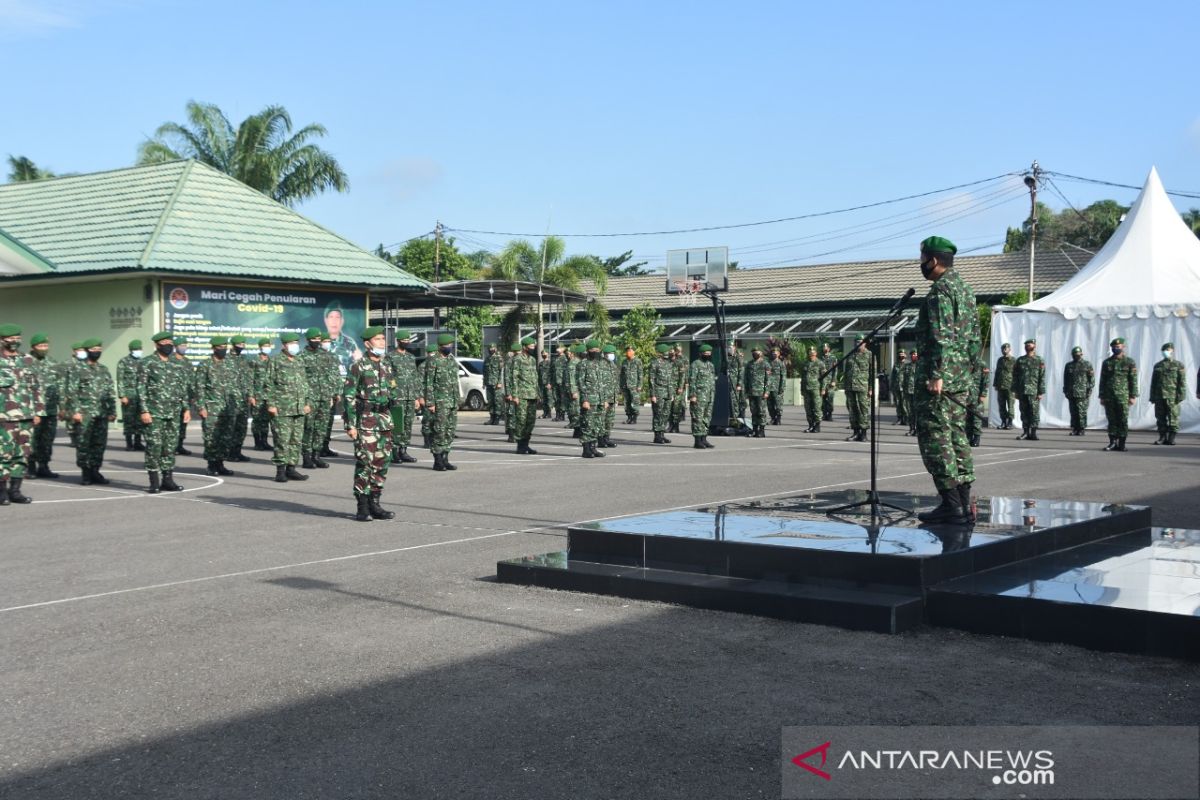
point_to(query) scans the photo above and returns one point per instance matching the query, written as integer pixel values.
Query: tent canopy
(1150, 267)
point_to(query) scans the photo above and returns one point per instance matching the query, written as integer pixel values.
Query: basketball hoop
(687, 291)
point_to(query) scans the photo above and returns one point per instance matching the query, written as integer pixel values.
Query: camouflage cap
(136, 344)
(445, 338)
(38, 338)
(88, 344)
(219, 341)
(938, 244)
(371, 332)
(289, 337)
(158, 337)
(313, 333)
(10, 330)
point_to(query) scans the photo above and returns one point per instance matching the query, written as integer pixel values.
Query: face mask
(220, 352)
(13, 346)
(314, 346)
(447, 350)
(927, 267)
(1116, 351)
(326, 346)
(81, 355)
(293, 348)
(237, 349)
(611, 356)
(266, 351)
(136, 353)
(592, 355)
(165, 349)
(706, 356)
(1167, 354)
(378, 351)
(38, 354)
(1077, 356)
(92, 355)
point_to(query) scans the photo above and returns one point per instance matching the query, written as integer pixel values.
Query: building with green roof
(180, 245)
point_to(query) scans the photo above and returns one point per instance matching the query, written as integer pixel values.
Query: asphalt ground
(247, 639)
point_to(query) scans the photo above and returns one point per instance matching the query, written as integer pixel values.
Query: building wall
(115, 310)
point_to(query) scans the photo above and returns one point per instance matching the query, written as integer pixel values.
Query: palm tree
(262, 153)
(522, 261)
(21, 169)
(1192, 218)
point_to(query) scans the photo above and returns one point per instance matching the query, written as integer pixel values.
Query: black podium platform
(786, 558)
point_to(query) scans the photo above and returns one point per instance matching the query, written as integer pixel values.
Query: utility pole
(1031, 180)
(541, 330)
(437, 270)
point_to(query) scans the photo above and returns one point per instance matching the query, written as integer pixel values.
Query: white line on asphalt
(126, 494)
(465, 540)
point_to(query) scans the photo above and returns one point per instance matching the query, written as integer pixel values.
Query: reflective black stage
(787, 558)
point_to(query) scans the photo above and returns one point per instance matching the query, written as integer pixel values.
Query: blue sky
(623, 116)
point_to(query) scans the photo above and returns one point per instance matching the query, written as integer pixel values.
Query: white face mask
(266, 351)
(1167, 353)
(293, 348)
(378, 351)
(136, 353)
(326, 346)
(81, 355)
(611, 356)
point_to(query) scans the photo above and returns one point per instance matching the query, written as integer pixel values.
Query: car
(470, 383)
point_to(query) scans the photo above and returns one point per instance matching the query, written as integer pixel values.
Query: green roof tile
(181, 216)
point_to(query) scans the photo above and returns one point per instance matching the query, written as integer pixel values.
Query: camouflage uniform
(756, 384)
(975, 403)
(369, 396)
(321, 368)
(260, 421)
(702, 384)
(810, 390)
(441, 392)
(287, 389)
(241, 417)
(522, 387)
(21, 399)
(1118, 385)
(948, 343)
(131, 420)
(493, 385)
(575, 408)
(49, 374)
(776, 390)
(895, 379)
(1078, 381)
(220, 394)
(856, 381)
(829, 361)
(736, 364)
(593, 384)
(612, 393)
(90, 392)
(662, 382)
(403, 367)
(187, 369)
(679, 369)
(1029, 383)
(1168, 387)
(162, 391)
(1002, 382)
(910, 389)
(562, 390)
(631, 388)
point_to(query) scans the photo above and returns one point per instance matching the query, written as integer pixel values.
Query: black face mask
(592, 355)
(12, 347)
(706, 356)
(927, 267)
(531, 352)
(237, 349)
(314, 345)
(93, 355)
(220, 352)
(447, 351)
(165, 349)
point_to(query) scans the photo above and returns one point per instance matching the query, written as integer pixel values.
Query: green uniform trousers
(942, 438)
(289, 438)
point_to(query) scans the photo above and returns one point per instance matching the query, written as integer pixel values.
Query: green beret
(158, 337)
(403, 335)
(610, 348)
(1076, 349)
(528, 340)
(264, 342)
(219, 341)
(38, 338)
(10, 330)
(577, 349)
(77, 346)
(1118, 340)
(515, 347)
(593, 344)
(289, 337)
(445, 338)
(371, 332)
(1167, 346)
(239, 339)
(902, 351)
(313, 333)
(136, 344)
(706, 348)
(938, 244)
(88, 344)
(1031, 341)
(662, 348)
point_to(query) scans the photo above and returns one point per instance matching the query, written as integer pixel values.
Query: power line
(742, 224)
(1191, 195)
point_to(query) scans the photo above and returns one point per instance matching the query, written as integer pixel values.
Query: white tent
(1144, 285)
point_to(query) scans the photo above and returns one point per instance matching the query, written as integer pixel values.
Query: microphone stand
(873, 502)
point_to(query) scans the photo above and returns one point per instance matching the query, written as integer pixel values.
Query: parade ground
(248, 639)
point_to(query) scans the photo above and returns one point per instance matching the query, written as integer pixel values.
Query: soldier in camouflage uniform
(131, 422)
(910, 390)
(811, 390)
(22, 408)
(662, 386)
(857, 381)
(1002, 382)
(593, 385)
(736, 364)
(612, 394)
(219, 393)
(777, 387)
(506, 409)
(1168, 387)
(493, 384)
(562, 392)
(1078, 381)
(260, 424)
(976, 417)
(324, 382)
(245, 368)
(949, 344)
(1029, 384)
(679, 368)
(188, 369)
(570, 386)
(702, 385)
(49, 372)
(521, 384)
(163, 388)
(404, 372)
(1118, 391)
(631, 385)
(895, 380)
(368, 399)
(287, 392)
(78, 356)
(90, 399)
(757, 383)
(441, 400)
(829, 360)
(545, 370)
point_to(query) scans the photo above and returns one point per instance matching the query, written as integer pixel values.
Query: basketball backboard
(698, 269)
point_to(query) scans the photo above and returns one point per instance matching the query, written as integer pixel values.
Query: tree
(1089, 228)
(416, 257)
(262, 153)
(1192, 218)
(21, 169)
(618, 268)
(468, 322)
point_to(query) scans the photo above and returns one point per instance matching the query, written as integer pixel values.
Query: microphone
(902, 301)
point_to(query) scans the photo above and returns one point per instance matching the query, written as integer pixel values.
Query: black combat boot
(699, 445)
(817, 427)
(964, 499)
(975, 440)
(438, 466)
(707, 444)
(154, 483)
(4, 501)
(364, 508)
(1033, 437)
(587, 450)
(446, 462)
(238, 456)
(319, 462)
(1162, 438)
(169, 484)
(1170, 438)
(510, 439)
(211, 469)
(596, 453)
(129, 442)
(85, 477)
(577, 433)
(182, 451)
(43, 471)
(1120, 444)
(853, 437)
(291, 474)
(1112, 443)
(405, 458)
(280, 473)
(949, 512)
(98, 478)
(325, 452)
(222, 469)
(524, 448)
(14, 492)
(1024, 433)
(396, 454)
(307, 461)
(609, 443)
(378, 511)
